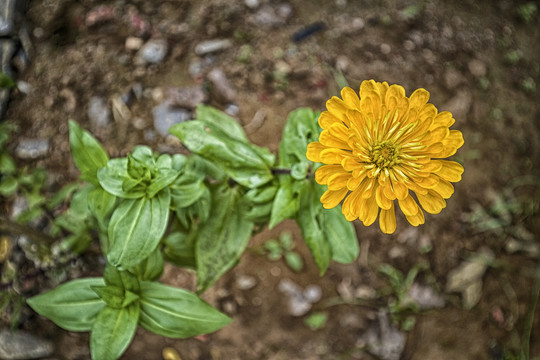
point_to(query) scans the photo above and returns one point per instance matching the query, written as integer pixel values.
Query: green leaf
(101, 204)
(316, 320)
(8, 186)
(222, 121)
(180, 248)
(112, 296)
(136, 227)
(122, 279)
(300, 129)
(164, 178)
(150, 268)
(312, 229)
(87, 153)
(113, 177)
(177, 313)
(294, 261)
(113, 331)
(72, 306)
(341, 235)
(222, 239)
(238, 159)
(7, 165)
(186, 190)
(285, 203)
(6, 82)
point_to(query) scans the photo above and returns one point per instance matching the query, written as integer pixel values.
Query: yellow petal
(453, 141)
(444, 188)
(435, 149)
(340, 131)
(395, 92)
(387, 220)
(354, 182)
(327, 139)
(338, 181)
(416, 188)
(356, 119)
(400, 190)
(350, 163)
(368, 86)
(436, 135)
(418, 98)
(450, 171)
(431, 166)
(326, 119)
(332, 156)
(408, 206)
(444, 118)
(351, 205)
(382, 200)
(332, 198)
(432, 202)
(417, 219)
(350, 98)
(324, 172)
(368, 211)
(367, 188)
(313, 152)
(428, 182)
(338, 108)
(388, 191)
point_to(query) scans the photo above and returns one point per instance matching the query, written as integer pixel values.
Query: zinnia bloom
(384, 146)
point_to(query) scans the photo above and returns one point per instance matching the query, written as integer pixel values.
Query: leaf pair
(92, 305)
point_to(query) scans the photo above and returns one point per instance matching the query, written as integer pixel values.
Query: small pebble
(252, 4)
(221, 85)
(134, 43)
(32, 148)
(477, 68)
(385, 49)
(165, 117)
(232, 110)
(245, 282)
(98, 111)
(153, 52)
(312, 293)
(212, 46)
(186, 97)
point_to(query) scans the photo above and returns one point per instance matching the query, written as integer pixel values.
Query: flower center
(384, 154)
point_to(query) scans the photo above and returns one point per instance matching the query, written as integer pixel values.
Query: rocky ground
(128, 69)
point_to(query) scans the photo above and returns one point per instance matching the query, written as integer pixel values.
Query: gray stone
(221, 86)
(245, 282)
(425, 297)
(186, 97)
(98, 111)
(32, 148)
(22, 345)
(273, 16)
(153, 52)
(477, 68)
(382, 339)
(166, 116)
(212, 46)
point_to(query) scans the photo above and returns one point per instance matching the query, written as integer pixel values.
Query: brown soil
(459, 51)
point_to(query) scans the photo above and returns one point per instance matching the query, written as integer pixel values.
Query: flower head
(384, 146)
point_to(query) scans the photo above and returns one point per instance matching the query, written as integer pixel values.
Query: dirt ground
(478, 59)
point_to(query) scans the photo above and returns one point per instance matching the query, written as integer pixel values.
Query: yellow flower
(382, 147)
